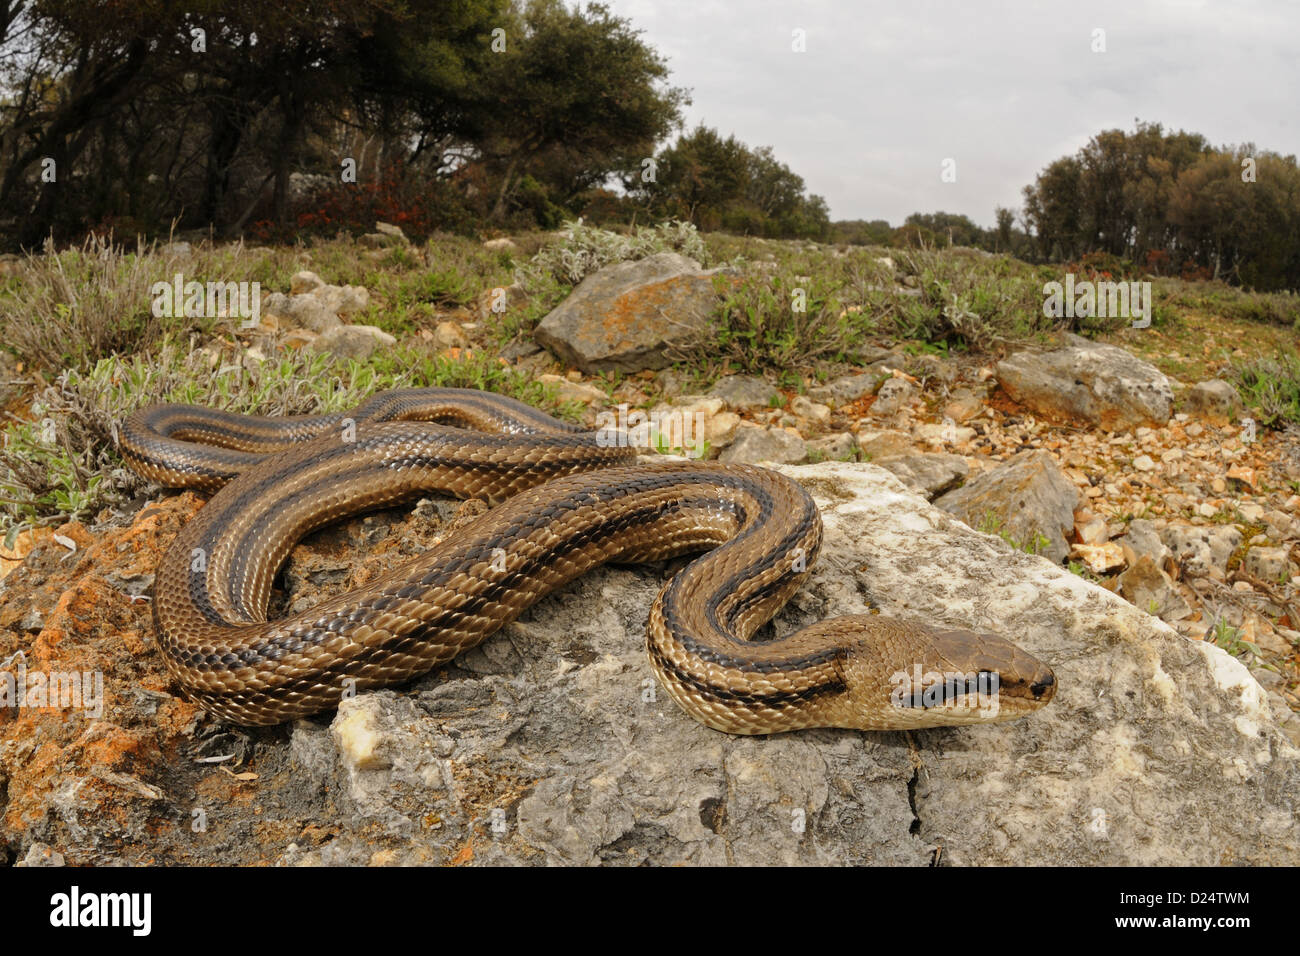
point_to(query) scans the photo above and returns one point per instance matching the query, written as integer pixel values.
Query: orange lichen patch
(12, 557)
(466, 854)
(89, 606)
(109, 746)
(1000, 401)
(858, 408)
(75, 531)
(625, 318)
(96, 764)
(174, 716)
(88, 744)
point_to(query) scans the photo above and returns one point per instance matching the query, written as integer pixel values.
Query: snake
(563, 500)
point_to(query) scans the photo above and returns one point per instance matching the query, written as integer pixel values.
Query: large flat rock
(1100, 384)
(552, 743)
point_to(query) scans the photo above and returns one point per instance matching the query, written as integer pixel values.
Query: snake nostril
(1043, 686)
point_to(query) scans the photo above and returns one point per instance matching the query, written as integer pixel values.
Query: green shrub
(1271, 386)
(775, 324)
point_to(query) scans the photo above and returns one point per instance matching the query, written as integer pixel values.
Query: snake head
(904, 674)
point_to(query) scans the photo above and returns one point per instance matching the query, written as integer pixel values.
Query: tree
(580, 86)
(720, 183)
(1006, 219)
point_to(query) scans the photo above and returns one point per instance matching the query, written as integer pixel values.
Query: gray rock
(815, 412)
(745, 391)
(765, 444)
(1143, 539)
(1150, 589)
(883, 443)
(309, 312)
(1202, 550)
(343, 300)
(933, 367)
(628, 316)
(274, 303)
(352, 341)
(40, 854)
(553, 742)
(849, 388)
(1267, 564)
(1027, 499)
(927, 474)
(392, 232)
(893, 396)
(963, 405)
(837, 447)
(521, 348)
(304, 282)
(1100, 384)
(1215, 400)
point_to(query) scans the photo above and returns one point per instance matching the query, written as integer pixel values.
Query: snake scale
(565, 501)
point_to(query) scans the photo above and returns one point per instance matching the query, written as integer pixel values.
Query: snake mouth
(1035, 690)
(1044, 688)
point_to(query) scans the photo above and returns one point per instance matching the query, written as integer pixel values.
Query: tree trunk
(499, 209)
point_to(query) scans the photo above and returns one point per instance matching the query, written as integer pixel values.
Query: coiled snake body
(570, 500)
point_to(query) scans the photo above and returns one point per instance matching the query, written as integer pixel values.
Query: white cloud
(886, 90)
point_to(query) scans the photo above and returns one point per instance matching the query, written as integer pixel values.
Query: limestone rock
(883, 443)
(1267, 564)
(309, 312)
(757, 444)
(304, 282)
(1143, 538)
(393, 232)
(1216, 401)
(745, 391)
(568, 391)
(893, 396)
(1100, 384)
(837, 447)
(814, 412)
(627, 316)
(925, 473)
(1200, 549)
(1149, 589)
(552, 743)
(963, 405)
(1027, 499)
(343, 300)
(850, 388)
(352, 341)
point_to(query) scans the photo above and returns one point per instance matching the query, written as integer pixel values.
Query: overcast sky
(887, 90)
